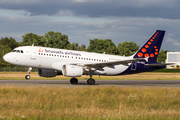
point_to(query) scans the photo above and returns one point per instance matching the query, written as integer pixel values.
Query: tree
(82, 47)
(127, 48)
(9, 42)
(31, 38)
(3, 50)
(73, 46)
(162, 56)
(101, 46)
(56, 40)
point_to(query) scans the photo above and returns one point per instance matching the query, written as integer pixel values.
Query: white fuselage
(51, 58)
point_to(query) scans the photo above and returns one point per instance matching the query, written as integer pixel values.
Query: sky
(81, 20)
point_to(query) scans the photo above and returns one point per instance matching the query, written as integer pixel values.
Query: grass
(140, 76)
(89, 103)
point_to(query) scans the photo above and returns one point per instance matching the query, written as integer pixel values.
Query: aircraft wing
(99, 66)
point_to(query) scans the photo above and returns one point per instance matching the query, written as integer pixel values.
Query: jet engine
(72, 71)
(47, 73)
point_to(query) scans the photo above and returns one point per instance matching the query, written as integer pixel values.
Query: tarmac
(83, 83)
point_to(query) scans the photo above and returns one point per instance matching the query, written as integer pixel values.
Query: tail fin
(151, 47)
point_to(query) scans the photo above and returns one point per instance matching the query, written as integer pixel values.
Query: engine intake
(72, 71)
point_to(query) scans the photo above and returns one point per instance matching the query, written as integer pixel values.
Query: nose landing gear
(27, 77)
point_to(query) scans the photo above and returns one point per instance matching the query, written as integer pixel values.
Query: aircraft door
(33, 54)
(134, 65)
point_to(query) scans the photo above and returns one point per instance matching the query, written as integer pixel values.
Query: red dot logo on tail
(146, 55)
(156, 53)
(152, 55)
(146, 46)
(140, 54)
(143, 50)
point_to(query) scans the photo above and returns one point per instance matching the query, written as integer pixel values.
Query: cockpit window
(14, 51)
(18, 51)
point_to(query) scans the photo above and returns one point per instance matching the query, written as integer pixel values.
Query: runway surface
(82, 83)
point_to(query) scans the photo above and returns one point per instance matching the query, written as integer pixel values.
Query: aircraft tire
(27, 77)
(73, 80)
(91, 81)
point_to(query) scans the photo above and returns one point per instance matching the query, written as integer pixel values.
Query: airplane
(51, 62)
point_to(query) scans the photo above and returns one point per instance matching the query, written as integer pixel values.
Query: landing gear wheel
(91, 81)
(27, 77)
(73, 80)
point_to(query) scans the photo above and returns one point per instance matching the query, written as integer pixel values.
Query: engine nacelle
(47, 73)
(72, 71)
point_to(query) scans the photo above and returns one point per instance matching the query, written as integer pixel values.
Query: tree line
(58, 40)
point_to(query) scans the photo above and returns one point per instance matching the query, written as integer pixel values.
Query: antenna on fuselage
(32, 44)
(104, 53)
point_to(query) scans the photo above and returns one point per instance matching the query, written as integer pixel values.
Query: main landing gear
(90, 81)
(27, 77)
(73, 80)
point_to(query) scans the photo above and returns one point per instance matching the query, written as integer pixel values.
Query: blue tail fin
(151, 47)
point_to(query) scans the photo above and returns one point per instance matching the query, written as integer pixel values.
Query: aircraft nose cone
(6, 58)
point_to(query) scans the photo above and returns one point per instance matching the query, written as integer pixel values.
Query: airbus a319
(51, 62)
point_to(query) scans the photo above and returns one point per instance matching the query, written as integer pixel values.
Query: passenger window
(21, 51)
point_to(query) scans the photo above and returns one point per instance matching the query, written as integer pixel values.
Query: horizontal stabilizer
(159, 64)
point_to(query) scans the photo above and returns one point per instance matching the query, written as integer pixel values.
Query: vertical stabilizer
(152, 47)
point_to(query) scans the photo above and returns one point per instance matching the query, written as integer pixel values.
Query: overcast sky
(81, 20)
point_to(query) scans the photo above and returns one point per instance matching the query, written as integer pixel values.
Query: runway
(82, 83)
